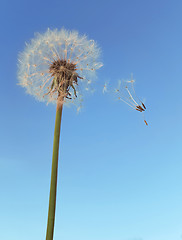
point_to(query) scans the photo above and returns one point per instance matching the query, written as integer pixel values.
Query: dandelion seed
(145, 122)
(78, 109)
(105, 88)
(126, 93)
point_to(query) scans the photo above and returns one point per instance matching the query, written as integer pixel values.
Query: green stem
(53, 187)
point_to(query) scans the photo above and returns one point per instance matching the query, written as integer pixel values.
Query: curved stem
(53, 186)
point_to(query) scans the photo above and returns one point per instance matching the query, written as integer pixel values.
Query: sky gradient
(118, 179)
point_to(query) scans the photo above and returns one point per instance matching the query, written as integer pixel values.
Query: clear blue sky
(118, 179)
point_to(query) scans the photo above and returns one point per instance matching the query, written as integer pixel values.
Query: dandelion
(57, 67)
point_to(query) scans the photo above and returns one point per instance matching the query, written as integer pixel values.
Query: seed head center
(64, 76)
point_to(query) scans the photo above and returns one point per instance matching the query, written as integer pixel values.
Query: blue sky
(118, 179)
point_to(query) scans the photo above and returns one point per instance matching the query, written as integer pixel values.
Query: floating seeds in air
(126, 93)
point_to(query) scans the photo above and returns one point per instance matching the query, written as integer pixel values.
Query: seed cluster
(64, 76)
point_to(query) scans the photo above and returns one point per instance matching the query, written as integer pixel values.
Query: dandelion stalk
(53, 186)
(55, 67)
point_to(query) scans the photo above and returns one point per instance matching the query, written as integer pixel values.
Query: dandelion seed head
(58, 66)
